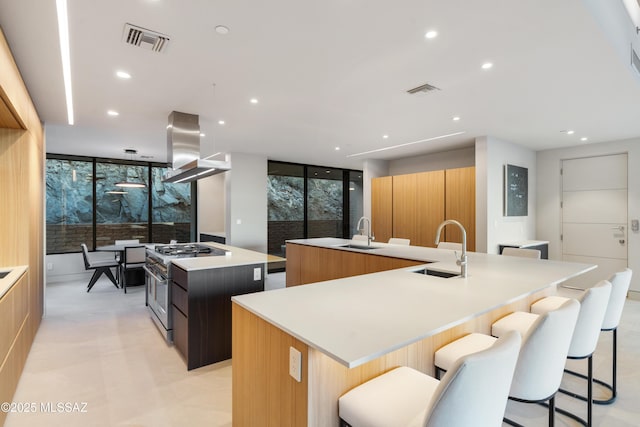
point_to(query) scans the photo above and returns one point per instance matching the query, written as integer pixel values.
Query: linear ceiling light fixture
(406, 144)
(63, 32)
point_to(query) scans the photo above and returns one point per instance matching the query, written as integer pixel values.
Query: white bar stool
(593, 305)
(620, 282)
(476, 388)
(542, 356)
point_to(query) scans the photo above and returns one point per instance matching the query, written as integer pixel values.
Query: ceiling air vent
(147, 39)
(424, 88)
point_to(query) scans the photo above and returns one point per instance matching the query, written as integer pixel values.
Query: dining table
(134, 278)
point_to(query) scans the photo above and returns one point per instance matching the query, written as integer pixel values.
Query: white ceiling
(327, 73)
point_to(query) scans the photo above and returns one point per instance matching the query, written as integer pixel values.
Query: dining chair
(133, 258)
(99, 265)
(118, 254)
(474, 389)
(522, 252)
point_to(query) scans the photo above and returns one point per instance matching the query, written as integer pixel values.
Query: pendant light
(126, 183)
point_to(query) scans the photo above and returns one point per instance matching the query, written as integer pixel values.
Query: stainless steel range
(158, 279)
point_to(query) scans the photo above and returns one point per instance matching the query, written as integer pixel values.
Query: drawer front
(180, 298)
(180, 276)
(180, 332)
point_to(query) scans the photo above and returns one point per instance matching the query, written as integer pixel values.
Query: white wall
(461, 158)
(67, 267)
(549, 186)
(492, 155)
(246, 199)
(211, 204)
(371, 169)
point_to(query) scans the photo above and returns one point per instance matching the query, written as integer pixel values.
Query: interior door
(594, 215)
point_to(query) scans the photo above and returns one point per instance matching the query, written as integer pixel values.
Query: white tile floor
(101, 348)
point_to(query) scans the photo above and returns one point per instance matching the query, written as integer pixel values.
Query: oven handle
(150, 273)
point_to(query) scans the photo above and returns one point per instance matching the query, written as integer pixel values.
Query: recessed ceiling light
(456, 118)
(123, 74)
(337, 148)
(221, 122)
(113, 113)
(584, 138)
(63, 34)
(406, 144)
(487, 65)
(253, 100)
(431, 34)
(221, 29)
(570, 132)
(385, 136)
(202, 134)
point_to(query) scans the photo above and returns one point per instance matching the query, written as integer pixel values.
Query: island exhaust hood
(183, 151)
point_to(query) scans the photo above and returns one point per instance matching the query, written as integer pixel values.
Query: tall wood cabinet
(21, 222)
(412, 206)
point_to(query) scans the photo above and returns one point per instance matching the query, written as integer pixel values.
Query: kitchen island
(201, 292)
(352, 329)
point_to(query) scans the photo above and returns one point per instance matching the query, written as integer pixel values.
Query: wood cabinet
(381, 208)
(460, 204)
(22, 226)
(201, 310)
(311, 264)
(415, 204)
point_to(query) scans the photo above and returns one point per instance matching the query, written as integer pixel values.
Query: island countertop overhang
(358, 319)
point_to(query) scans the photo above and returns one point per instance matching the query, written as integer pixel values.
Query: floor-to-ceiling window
(84, 204)
(307, 201)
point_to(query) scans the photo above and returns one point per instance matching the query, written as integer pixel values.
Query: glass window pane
(355, 201)
(324, 202)
(69, 200)
(122, 213)
(285, 199)
(171, 214)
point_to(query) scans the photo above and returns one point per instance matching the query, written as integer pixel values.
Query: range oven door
(159, 302)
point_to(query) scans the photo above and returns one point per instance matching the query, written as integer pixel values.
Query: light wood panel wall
(310, 264)
(460, 204)
(421, 201)
(430, 197)
(405, 207)
(382, 208)
(21, 219)
(264, 394)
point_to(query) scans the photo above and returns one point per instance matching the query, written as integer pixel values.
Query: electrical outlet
(49, 266)
(257, 274)
(295, 364)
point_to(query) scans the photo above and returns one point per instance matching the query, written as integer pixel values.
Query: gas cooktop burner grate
(186, 249)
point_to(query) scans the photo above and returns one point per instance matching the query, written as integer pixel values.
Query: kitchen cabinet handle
(619, 228)
(159, 279)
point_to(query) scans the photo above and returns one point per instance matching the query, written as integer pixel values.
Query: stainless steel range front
(158, 279)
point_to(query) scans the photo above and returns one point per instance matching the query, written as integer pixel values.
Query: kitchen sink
(364, 248)
(444, 274)
(4, 274)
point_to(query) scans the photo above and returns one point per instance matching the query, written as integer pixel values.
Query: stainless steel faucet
(369, 236)
(462, 261)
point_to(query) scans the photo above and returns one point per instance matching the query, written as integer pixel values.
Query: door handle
(619, 228)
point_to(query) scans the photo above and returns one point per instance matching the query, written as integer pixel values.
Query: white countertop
(10, 279)
(235, 256)
(358, 319)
